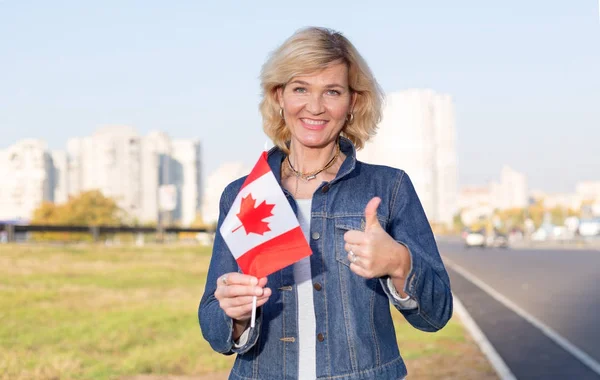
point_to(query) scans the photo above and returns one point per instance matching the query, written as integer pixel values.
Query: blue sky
(524, 76)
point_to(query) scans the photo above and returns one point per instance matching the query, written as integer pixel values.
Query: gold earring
(351, 119)
(281, 112)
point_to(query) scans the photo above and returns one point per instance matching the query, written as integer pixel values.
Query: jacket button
(317, 286)
(316, 235)
(320, 337)
(325, 189)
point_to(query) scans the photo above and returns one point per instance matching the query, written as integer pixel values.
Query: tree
(46, 213)
(90, 208)
(93, 208)
(536, 213)
(511, 217)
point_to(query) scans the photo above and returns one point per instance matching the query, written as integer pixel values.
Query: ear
(279, 95)
(353, 100)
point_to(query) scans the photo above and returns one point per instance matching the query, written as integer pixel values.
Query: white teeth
(314, 122)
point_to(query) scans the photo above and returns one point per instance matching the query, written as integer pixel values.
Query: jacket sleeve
(216, 326)
(400, 303)
(427, 282)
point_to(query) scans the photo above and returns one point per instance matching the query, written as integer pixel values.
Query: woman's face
(316, 106)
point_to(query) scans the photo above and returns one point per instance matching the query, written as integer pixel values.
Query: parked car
(475, 239)
(499, 241)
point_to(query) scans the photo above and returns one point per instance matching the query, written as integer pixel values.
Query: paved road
(560, 288)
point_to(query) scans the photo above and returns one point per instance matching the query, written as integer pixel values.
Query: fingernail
(259, 292)
(253, 281)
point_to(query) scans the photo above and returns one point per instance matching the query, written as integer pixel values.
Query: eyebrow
(303, 83)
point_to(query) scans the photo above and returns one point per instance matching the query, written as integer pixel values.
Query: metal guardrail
(12, 229)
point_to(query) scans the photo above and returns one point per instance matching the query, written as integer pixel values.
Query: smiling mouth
(314, 122)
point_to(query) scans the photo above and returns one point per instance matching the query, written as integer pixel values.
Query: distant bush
(90, 208)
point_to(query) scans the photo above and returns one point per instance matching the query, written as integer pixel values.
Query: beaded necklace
(312, 175)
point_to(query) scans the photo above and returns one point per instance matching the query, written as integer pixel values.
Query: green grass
(100, 313)
(93, 312)
(415, 344)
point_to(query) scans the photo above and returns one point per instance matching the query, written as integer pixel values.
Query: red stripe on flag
(275, 254)
(260, 169)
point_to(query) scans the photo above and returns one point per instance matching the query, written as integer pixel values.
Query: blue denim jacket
(355, 334)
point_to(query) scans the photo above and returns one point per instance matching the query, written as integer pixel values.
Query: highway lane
(557, 287)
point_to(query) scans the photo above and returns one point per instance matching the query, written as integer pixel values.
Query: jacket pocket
(344, 224)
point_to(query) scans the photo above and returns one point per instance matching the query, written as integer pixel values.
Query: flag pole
(253, 320)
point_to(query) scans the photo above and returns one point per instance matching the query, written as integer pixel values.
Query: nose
(315, 104)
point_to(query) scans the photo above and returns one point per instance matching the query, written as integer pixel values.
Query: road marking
(482, 341)
(564, 343)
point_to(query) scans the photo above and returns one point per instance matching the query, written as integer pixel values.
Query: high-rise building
(115, 160)
(177, 162)
(110, 161)
(215, 184)
(512, 192)
(417, 134)
(185, 175)
(446, 159)
(155, 160)
(59, 176)
(25, 171)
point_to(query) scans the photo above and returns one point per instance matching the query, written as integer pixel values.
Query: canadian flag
(261, 229)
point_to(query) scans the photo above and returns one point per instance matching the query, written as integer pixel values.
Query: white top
(307, 326)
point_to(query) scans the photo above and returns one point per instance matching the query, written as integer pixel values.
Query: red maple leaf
(252, 217)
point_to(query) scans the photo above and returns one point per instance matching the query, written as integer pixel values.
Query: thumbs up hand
(374, 253)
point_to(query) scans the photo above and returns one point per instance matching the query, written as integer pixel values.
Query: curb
(484, 344)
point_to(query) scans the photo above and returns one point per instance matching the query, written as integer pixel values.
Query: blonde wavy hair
(314, 49)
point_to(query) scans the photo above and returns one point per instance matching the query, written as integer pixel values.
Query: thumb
(371, 213)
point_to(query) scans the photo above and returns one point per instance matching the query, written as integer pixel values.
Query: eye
(333, 92)
(299, 90)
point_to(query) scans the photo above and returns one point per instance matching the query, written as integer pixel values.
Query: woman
(328, 316)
